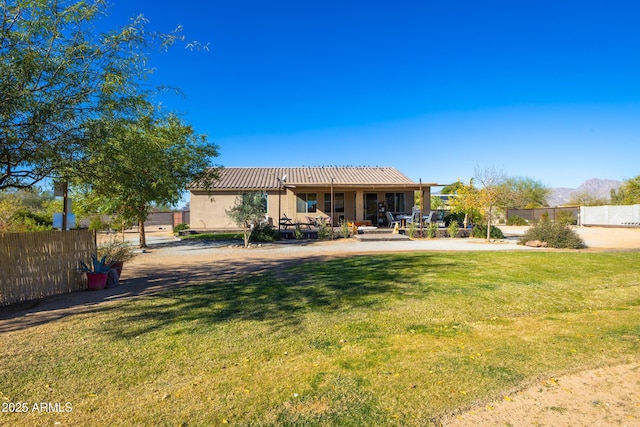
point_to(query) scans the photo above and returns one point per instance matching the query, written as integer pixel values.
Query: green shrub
(180, 227)
(344, 228)
(566, 218)
(556, 235)
(516, 220)
(264, 233)
(411, 230)
(432, 230)
(453, 229)
(30, 221)
(325, 231)
(457, 217)
(298, 232)
(480, 232)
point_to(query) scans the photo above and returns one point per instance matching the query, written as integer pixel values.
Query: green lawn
(212, 236)
(372, 340)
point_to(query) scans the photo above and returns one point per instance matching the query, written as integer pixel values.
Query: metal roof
(233, 178)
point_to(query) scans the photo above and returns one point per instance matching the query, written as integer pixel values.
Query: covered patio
(336, 194)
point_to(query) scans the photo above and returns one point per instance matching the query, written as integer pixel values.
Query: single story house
(342, 193)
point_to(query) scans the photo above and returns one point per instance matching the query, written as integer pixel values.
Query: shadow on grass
(272, 290)
(278, 292)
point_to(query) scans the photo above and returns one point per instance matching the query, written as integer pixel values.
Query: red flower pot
(96, 281)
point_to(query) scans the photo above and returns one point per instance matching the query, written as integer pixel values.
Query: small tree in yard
(492, 190)
(143, 161)
(248, 212)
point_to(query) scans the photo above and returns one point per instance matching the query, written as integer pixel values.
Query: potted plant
(116, 252)
(97, 273)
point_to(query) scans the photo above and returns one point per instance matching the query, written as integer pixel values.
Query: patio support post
(279, 201)
(421, 206)
(332, 208)
(359, 205)
(281, 182)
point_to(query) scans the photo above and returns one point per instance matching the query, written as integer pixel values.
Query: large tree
(628, 193)
(143, 162)
(57, 74)
(524, 193)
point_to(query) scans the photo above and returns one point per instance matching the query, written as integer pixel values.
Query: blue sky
(543, 89)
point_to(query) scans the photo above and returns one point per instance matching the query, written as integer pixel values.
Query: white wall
(610, 215)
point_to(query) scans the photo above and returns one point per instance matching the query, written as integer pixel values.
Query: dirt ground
(609, 396)
(600, 397)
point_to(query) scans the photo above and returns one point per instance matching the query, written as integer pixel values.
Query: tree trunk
(143, 237)
(246, 234)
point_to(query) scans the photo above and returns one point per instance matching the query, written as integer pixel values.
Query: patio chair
(392, 221)
(312, 221)
(415, 216)
(436, 217)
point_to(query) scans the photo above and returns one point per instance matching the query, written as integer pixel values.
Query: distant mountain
(596, 187)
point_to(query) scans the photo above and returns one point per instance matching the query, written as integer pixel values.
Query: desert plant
(97, 265)
(115, 249)
(344, 229)
(325, 231)
(412, 230)
(516, 220)
(453, 229)
(480, 232)
(432, 230)
(556, 235)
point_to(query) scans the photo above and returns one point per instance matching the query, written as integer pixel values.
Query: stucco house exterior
(360, 194)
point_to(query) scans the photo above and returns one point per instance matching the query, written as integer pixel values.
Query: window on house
(394, 202)
(306, 203)
(338, 198)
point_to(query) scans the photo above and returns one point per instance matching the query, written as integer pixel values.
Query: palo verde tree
(248, 211)
(145, 161)
(57, 74)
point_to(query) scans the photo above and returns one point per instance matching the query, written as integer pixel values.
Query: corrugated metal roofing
(267, 177)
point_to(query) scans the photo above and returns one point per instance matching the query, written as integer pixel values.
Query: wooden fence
(36, 265)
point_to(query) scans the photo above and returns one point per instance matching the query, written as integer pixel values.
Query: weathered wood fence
(36, 265)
